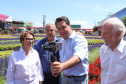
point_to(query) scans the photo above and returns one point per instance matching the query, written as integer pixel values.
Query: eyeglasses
(30, 39)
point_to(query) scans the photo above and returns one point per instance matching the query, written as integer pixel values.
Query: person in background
(24, 65)
(73, 56)
(113, 52)
(13, 31)
(45, 55)
(0, 29)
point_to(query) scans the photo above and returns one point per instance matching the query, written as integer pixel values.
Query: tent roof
(17, 22)
(3, 17)
(9, 19)
(26, 24)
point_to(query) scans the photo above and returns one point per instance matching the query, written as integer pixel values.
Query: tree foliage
(124, 21)
(95, 28)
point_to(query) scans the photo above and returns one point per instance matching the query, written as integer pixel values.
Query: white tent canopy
(9, 19)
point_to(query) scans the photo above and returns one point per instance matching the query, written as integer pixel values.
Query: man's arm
(80, 53)
(40, 82)
(17, 48)
(79, 33)
(57, 67)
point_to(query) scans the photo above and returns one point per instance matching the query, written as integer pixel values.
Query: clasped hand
(56, 68)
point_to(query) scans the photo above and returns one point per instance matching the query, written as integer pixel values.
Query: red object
(3, 17)
(12, 30)
(95, 71)
(30, 27)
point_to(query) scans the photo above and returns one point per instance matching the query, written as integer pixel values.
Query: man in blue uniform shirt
(45, 55)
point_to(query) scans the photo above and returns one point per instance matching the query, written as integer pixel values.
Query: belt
(71, 76)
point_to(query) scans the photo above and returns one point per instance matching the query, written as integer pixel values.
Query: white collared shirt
(23, 69)
(113, 64)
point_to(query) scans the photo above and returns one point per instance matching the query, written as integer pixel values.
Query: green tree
(124, 21)
(95, 28)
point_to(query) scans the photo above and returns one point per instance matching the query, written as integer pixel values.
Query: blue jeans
(75, 80)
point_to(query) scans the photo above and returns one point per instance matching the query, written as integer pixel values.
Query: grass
(2, 80)
(93, 54)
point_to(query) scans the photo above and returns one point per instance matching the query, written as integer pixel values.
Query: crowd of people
(32, 65)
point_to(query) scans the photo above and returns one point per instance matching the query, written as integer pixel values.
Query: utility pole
(94, 22)
(44, 18)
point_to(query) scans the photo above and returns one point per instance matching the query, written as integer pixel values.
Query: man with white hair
(113, 52)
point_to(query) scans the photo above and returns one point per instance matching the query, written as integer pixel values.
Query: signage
(6, 25)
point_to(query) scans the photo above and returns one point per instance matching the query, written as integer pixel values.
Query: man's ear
(69, 25)
(118, 34)
(55, 31)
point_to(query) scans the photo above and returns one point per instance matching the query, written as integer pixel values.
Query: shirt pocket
(46, 58)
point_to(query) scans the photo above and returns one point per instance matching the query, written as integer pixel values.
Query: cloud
(100, 8)
(117, 6)
(97, 8)
(83, 24)
(37, 24)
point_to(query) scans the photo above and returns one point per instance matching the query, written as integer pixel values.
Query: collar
(73, 34)
(119, 47)
(22, 50)
(55, 40)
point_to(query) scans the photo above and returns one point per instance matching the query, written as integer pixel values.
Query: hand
(17, 48)
(55, 75)
(56, 67)
(40, 82)
(79, 33)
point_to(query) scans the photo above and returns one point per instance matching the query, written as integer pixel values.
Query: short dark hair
(23, 35)
(61, 19)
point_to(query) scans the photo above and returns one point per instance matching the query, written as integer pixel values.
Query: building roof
(3, 17)
(26, 24)
(75, 26)
(17, 22)
(120, 14)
